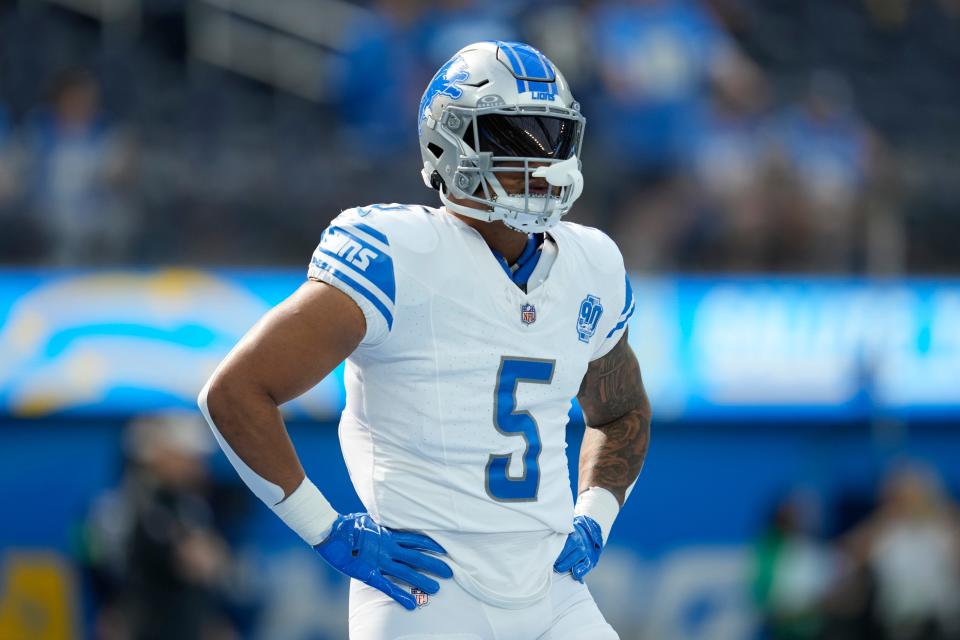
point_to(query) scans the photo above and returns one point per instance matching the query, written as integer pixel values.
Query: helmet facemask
(495, 144)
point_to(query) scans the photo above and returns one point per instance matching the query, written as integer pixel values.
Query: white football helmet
(498, 107)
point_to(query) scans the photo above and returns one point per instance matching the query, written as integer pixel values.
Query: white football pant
(568, 612)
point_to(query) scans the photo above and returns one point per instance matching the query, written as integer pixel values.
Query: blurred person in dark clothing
(896, 14)
(656, 59)
(909, 550)
(728, 150)
(793, 570)
(711, 213)
(19, 236)
(8, 182)
(727, 165)
(829, 152)
(78, 167)
(558, 27)
(453, 24)
(152, 545)
(375, 108)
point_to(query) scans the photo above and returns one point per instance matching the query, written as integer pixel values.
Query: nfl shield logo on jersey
(528, 314)
(421, 596)
(590, 312)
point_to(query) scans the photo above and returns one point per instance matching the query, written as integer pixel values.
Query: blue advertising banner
(791, 348)
(122, 342)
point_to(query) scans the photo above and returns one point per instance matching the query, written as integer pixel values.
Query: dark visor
(527, 136)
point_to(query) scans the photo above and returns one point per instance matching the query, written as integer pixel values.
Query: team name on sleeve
(358, 256)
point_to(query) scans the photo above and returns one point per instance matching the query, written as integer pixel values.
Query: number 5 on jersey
(513, 422)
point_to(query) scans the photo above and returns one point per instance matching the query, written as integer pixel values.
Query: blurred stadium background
(783, 179)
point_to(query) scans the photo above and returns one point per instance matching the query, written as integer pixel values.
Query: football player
(466, 329)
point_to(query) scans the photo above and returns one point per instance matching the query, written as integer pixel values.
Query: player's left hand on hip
(582, 551)
(369, 552)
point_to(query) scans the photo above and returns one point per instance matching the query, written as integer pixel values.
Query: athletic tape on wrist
(601, 505)
(307, 512)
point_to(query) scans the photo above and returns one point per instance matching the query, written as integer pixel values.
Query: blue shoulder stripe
(370, 231)
(628, 298)
(365, 229)
(356, 286)
(360, 255)
(629, 306)
(622, 323)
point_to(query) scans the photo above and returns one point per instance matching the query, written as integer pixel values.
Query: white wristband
(307, 512)
(601, 505)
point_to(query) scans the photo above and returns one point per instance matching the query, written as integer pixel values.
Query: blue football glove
(362, 549)
(582, 550)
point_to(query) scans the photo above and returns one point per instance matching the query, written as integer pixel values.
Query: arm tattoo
(617, 414)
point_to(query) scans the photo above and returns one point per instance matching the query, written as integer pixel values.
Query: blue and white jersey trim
(358, 256)
(628, 307)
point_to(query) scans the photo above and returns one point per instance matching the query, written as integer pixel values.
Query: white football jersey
(458, 395)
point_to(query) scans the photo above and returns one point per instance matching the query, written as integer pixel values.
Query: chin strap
(480, 214)
(504, 215)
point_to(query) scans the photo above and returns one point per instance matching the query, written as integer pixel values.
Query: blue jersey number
(510, 421)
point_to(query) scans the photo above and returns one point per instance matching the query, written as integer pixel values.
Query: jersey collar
(519, 272)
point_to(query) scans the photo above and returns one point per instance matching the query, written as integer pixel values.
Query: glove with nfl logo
(582, 550)
(362, 549)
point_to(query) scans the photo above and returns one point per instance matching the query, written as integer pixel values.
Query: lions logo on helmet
(494, 108)
(444, 83)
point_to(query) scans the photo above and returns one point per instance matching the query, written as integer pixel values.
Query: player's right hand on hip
(362, 549)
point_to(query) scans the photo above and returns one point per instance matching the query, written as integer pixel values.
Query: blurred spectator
(557, 29)
(452, 24)
(826, 143)
(380, 79)
(676, 163)
(910, 548)
(8, 182)
(11, 242)
(160, 565)
(390, 55)
(712, 213)
(727, 152)
(655, 59)
(728, 162)
(79, 166)
(793, 570)
(829, 151)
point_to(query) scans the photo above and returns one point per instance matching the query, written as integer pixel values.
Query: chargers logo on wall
(590, 312)
(119, 342)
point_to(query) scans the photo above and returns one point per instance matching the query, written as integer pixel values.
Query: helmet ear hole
(436, 181)
(435, 149)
